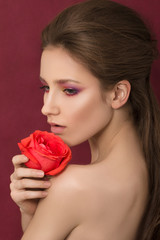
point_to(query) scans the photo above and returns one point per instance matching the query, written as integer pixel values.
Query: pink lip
(55, 128)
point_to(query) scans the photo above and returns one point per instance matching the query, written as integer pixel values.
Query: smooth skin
(26, 178)
(105, 199)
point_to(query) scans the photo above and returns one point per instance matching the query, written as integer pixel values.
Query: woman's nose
(50, 106)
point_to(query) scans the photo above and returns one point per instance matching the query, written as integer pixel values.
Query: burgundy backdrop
(21, 23)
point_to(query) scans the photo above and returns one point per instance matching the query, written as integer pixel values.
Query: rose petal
(46, 151)
(45, 162)
(61, 166)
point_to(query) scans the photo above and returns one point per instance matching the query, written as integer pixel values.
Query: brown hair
(113, 42)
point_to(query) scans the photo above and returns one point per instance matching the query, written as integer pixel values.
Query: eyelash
(68, 91)
(45, 88)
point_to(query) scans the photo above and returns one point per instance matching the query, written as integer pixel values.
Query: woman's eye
(45, 88)
(70, 91)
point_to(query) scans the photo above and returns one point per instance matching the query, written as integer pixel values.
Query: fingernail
(40, 174)
(25, 158)
(47, 184)
(44, 194)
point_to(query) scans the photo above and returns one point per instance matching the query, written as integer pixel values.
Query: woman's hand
(27, 185)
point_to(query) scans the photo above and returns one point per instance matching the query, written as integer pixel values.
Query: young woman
(95, 70)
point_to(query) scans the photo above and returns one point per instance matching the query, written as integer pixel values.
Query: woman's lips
(55, 128)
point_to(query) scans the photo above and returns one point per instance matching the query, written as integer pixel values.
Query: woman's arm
(25, 220)
(57, 214)
(24, 185)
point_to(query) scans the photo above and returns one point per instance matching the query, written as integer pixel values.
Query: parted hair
(114, 43)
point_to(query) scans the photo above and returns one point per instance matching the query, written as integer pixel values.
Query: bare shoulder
(94, 189)
(58, 213)
(86, 193)
(68, 185)
(67, 180)
(98, 180)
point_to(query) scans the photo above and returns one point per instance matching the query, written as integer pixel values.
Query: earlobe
(121, 94)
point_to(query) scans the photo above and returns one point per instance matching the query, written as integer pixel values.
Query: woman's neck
(105, 141)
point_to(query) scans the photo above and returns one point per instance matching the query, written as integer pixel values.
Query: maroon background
(21, 23)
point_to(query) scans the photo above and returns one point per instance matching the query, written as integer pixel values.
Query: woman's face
(73, 101)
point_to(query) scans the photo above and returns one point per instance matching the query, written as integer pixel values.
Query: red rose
(45, 151)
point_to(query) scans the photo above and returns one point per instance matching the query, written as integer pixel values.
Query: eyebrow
(61, 80)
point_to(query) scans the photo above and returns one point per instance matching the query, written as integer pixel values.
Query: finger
(35, 194)
(18, 160)
(19, 196)
(27, 173)
(11, 177)
(29, 183)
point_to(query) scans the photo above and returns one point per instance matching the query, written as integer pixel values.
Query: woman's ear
(120, 94)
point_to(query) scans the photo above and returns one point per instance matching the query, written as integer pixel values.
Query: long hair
(113, 42)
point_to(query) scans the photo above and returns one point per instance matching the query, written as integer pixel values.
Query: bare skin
(23, 179)
(112, 210)
(100, 211)
(104, 200)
